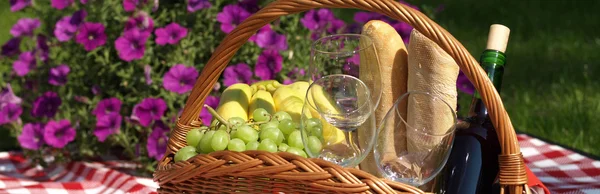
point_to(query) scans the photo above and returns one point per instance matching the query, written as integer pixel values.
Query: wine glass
(348, 54)
(415, 138)
(337, 110)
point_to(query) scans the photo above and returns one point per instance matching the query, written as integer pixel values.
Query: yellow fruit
(293, 106)
(320, 100)
(269, 85)
(234, 101)
(297, 89)
(261, 99)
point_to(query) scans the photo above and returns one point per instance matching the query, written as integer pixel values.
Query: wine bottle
(473, 163)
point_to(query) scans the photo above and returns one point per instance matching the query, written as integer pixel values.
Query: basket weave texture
(263, 172)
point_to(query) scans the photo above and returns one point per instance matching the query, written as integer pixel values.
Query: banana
(290, 98)
(269, 85)
(293, 106)
(261, 99)
(331, 134)
(234, 101)
(297, 89)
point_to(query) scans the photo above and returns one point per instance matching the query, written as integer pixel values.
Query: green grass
(550, 88)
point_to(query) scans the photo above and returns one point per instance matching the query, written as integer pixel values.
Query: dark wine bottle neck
(492, 62)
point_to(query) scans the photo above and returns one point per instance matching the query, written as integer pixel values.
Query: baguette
(430, 69)
(392, 55)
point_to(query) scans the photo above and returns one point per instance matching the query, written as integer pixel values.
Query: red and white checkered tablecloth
(19, 176)
(560, 169)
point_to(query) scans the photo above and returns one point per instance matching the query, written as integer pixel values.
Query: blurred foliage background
(550, 89)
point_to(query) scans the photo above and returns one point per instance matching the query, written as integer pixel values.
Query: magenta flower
(25, 63)
(131, 45)
(64, 30)
(150, 109)
(11, 47)
(67, 26)
(402, 28)
(142, 22)
(267, 27)
(96, 90)
(269, 39)
(211, 101)
(24, 27)
(59, 133)
(464, 85)
(10, 113)
(107, 125)
(317, 19)
(240, 73)
(83, 1)
(157, 141)
(58, 75)
(7, 96)
(107, 106)
(32, 136)
(46, 105)
(293, 75)
(16, 5)
(170, 34)
(91, 35)
(231, 16)
(268, 64)
(130, 5)
(249, 5)
(42, 47)
(352, 66)
(195, 5)
(147, 71)
(61, 4)
(180, 79)
(336, 26)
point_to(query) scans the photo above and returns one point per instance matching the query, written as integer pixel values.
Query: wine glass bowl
(427, 123)
(337, 108)
(348, 54)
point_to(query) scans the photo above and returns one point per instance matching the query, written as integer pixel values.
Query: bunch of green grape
(265, 132)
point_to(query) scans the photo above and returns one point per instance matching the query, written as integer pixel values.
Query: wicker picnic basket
(263, 172)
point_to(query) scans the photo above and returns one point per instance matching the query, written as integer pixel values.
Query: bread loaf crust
(430, 69)
(393, 60)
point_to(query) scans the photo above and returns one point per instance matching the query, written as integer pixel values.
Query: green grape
(267, 145)
(270, 133)
(280, 138)
(295, 140)
(204, 145)
(236, 145)
(282, 115)
(214, 122)
(296, 151)
(222, 127)
(286, 126)
(314, 144)
(282, 147)
(311, 123)
(260, 115)
(317, 131)
(219, 140)
(270, 124)
(253, 145)
(185, 153)
(193, 137)
(236, 121)
(233, 134)
(247, 133)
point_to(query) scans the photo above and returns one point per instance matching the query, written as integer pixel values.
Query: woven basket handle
(512, 171)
